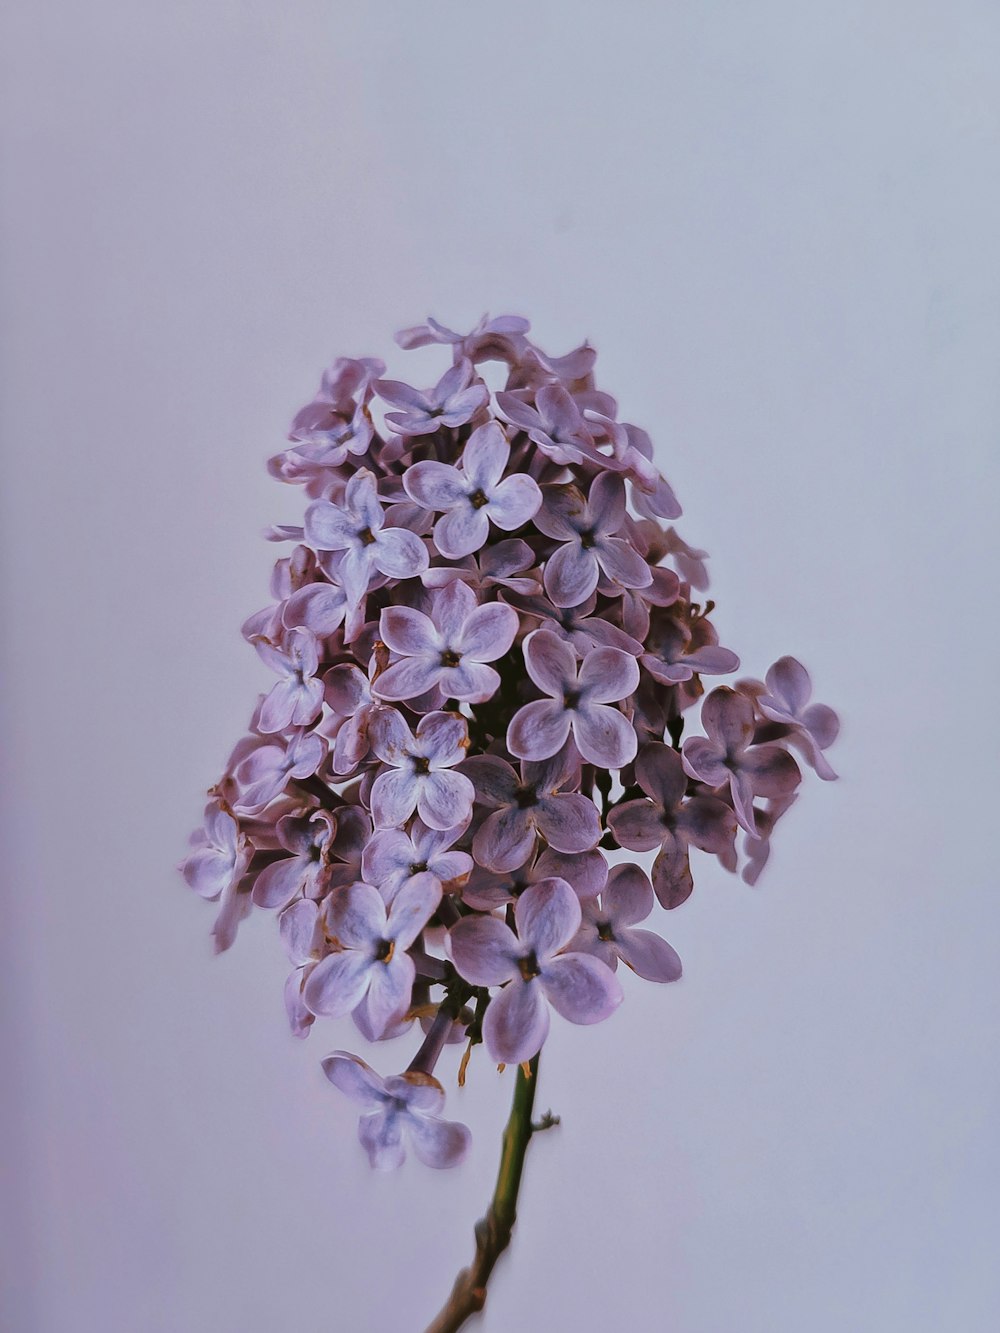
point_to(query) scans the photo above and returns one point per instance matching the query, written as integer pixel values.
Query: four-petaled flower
(453, 401)
(392, 859)
(586, 526)
(671, 822)
(535, 969)
(298, 697)
(404, 1103)
(727, 757)
(420, 774)
(371, 966)
(578, 703)
(357, 527)
(608, 930)
(531, 804)
(448, 649)
(473, 495)
(814, 727)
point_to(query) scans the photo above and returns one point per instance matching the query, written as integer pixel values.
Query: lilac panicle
(487, 643)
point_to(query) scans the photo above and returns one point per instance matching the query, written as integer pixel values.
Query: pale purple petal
(355, 1079)
(581, 988)
(439, 1143)
(660, 773)
(319, 607)
(507, 838)
(517, 1022)
(407, 631)
(485, 456)
(571, 574)
(443, 797)
(585, 872)
(390, 986)
(399, 553)
(408, 679)
(298, 926)
(638, 825)
(443, 738)
(495, 781)
(628, 898)
(604, 736)
(436, 486)
(550, 662)
(280, 881)
(381, 1135)
(772, 771)
(393, 798)
(672, 881)
(623, 563)
(391, 738)
(461, 531)
(648, 955)
(484, 950)
(789, 681)
(727, 717)
(357, 916)
(538, 730)
(703, 760)
(489, 632)
(337, 984)
(569, 822)
(513, 502)
(547, 917)
(608, 675)
(412, 908)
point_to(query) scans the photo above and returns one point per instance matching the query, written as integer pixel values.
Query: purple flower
(577, 703)
(221, 854)
(814, 727)
(608, 928)
(586, 527)
(392, 859)
(554, 424)
(419, 776)
(403, 1104)
(473, 495)
(305, 872)
(357, 527)
(371, 966)
(727, 757)
(531, 804)
(535, 970)
(319, 607)
(298, 697)
(453, 401)
(672, 822)
(448, 649)
(266, 771)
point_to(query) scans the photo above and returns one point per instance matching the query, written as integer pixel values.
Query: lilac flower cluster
(487, 645)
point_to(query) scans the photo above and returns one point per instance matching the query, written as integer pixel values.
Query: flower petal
(337, 984)
(393, 798)
(569, 822)
(461, 531)
(443, 798)
(390, 987)
(355, 1079)
(381, 1135)
(399, 553)
(517, 1022)
(547, 916)
(628, 898)
(550, 662)
(516, 500)
(604, 736)
(608, 675)
(648, 955)
(581, 988)
(439, 1143)
(489, 632)
(484, 950)
(436, 486)
(407, 631)
(571, 574)
(538, 730)
(506, 839)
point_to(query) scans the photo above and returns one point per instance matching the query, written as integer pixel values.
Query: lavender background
(778, 223)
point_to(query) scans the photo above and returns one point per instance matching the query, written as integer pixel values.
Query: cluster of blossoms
(487, 645)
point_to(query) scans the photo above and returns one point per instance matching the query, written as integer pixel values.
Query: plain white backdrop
(778, 222)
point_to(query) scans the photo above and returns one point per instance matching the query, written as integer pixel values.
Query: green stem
(494, 1230)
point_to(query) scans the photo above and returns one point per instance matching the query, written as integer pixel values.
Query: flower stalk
(493, 1230)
